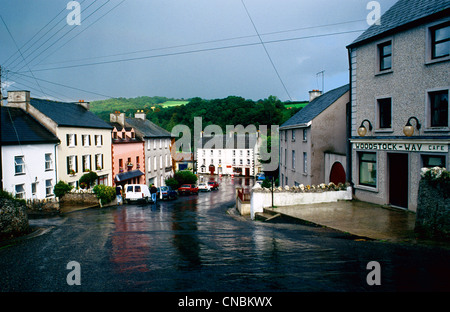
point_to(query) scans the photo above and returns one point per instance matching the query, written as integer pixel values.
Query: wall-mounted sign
(405, 146)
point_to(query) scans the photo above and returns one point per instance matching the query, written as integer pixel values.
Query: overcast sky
(178, 48)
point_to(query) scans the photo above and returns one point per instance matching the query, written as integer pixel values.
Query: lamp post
(362, 129)
(408, 129)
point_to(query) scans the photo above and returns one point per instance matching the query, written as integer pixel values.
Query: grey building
(313, 141)
(157, 146)
(399, 101)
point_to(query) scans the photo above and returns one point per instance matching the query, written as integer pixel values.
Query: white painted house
(227, 155)
(27, 155)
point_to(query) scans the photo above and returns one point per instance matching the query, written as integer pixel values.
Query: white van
(135, 192)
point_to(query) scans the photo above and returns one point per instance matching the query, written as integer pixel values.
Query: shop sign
(402, 146)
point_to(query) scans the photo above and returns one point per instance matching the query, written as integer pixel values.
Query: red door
(337, 174)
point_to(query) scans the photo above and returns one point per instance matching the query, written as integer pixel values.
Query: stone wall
(290, 196)
(433, 210)
(81, 198)
(13, 218)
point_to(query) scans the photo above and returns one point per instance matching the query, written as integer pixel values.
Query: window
(212, 152)
(384, 113)
(203, 152)
(385, 55)
(433, 161)
(220, 152)
(154, 144)
(248, 153)
(240, 162)
(285, 157)
(293, 135)
(293, 159)
(305, 162)
(86, 140)
(305, 133)
(115, 135)
(33, 188)
(72, 164)
(19, 165)
(98, 140)
(234, 161)
(20, 191)
(48, 162)
(234, 153)
(212, 161)
(440, 41)
(438, 108)
(241, 153)
(99, 161)
(368, 169)
(154, 164)
(86, 163)
(48, 188)
(220, 161)
(149, 164)
(160, 161)
(71, 140)
(160, 143)
(285, 135)
(286, 181)
(248, 162)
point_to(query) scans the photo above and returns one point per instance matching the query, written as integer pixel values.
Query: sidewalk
(357, 218)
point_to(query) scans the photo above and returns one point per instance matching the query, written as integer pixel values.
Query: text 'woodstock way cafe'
(402, 146)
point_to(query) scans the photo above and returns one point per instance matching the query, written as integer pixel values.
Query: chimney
(314, 94)
(20, 99)
(140, 114)
(117, 117)
(84, 104)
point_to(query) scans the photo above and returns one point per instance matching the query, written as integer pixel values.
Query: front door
(398, 180)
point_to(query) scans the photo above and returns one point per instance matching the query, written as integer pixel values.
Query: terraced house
(399, 92)
(85, 138)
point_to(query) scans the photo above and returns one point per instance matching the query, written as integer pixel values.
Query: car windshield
(137, 188)
(185, 185)
(164, 188)
(130, 188)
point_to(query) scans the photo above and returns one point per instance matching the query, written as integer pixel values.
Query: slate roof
(402, 15)
(246, 141)
(315, 107)
(18, 127)
(69, 114)
(146, 128)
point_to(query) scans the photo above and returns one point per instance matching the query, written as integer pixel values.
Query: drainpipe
(349, 124)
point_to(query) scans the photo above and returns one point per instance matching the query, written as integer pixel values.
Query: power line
(267, 52)
(197, 51)
(6, 26)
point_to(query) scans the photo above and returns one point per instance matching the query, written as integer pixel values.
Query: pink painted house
(127, 152)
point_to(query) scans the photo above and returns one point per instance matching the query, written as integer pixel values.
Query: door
(247, 172)
(398, 180)
(337, 174)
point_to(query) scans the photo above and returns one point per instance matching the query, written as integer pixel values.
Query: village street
(193, 244)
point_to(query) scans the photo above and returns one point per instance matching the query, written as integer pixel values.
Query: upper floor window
(384, 113)
(19, 164)
(385, 55)
(86, 140)
(293, 135)
(48, 162)
(438, 108)
(99, 140)
(440, 41)
(305, 133)
(71, 140)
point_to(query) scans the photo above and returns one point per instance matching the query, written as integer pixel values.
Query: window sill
(384, 72)
(19, 174)
(366, 188)
(437, 129)
(439, 60)
(386, 130)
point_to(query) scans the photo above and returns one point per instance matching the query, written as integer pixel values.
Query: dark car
(187, 189)
(213, 185)
(166, 192)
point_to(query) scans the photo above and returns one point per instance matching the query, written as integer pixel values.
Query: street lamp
(408, 129)
(362, 129)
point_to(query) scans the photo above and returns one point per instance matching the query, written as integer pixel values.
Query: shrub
(105, 193)
(173, 183)
(185, 177)
(88, 179)
(61, 188)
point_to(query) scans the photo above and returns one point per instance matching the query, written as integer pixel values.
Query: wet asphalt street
(193, 244)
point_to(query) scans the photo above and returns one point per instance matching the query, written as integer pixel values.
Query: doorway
(398, 180)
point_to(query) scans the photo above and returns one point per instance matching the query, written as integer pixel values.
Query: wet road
(193, 244)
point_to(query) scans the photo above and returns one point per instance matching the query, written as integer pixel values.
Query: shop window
(430, 161)
(368, 169)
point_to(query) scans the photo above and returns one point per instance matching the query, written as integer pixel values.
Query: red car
(213, 185)
(188, 189)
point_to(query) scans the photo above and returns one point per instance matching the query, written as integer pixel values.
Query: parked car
(214, 185)
(260, 176)
(187, 189)
(204, 187)
(136, 192)
(166, 192)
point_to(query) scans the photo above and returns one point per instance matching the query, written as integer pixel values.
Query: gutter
(349, 124)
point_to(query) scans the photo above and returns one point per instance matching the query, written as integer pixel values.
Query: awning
(128, 175)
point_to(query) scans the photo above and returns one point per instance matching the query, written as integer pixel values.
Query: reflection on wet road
(192, 244)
